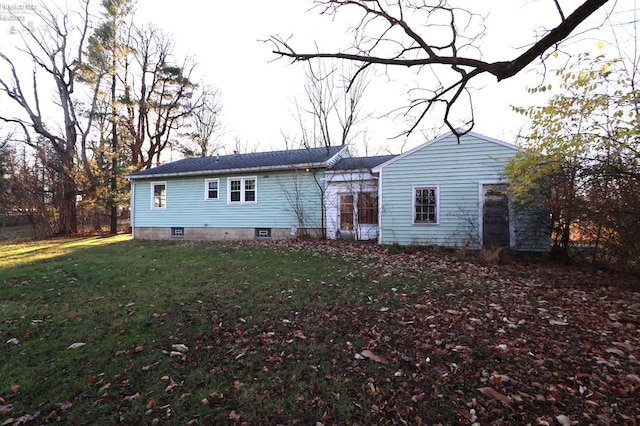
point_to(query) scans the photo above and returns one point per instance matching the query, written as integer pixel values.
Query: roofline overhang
(230, 171)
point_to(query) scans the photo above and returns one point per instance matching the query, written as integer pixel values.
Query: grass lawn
(106, 330)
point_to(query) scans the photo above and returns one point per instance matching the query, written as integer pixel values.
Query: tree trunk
(113, 229)
(68, 223)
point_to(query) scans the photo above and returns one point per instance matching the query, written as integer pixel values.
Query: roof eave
(231, 171)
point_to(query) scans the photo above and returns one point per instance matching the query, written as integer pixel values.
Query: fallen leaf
(563, 420)
(499, 378)
(15, 388)
(377, 358)
(170, 387)
(131, 397)
(64, 405)
(234, 416)
(180, 347)
(418, 397)
(148, 367)
(76, 345)
(26, 418)
(492, 393)
(151, 404)
(634, 378)
(5, 409)
(51, 416)
(13, 341)
(614, 351)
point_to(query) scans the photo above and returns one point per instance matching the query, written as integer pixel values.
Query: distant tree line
(103, 97)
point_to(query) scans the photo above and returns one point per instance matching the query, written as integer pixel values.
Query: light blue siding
(457, 171)
(277, 194)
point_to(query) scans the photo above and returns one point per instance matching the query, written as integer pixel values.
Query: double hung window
(158, 195)
(242, 190)
(211, 189)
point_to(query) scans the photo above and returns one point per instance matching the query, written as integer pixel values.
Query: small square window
(177, 232)
(211, 189)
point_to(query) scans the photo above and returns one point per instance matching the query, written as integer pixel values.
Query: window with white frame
(426, 204)
(158, 195)
(242, 190)
(211, 189)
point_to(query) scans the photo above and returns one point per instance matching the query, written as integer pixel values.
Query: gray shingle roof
(242, 162)
(361, 163)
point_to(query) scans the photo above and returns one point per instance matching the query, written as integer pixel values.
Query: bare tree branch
(391, 40)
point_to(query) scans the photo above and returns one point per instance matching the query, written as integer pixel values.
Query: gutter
(229, 171)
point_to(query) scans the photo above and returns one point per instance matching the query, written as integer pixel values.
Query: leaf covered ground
(312, 332)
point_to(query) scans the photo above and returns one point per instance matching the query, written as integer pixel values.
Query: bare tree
(330, 111)
(158, 95)
(433, 34)
(55, 49)
(203, 123)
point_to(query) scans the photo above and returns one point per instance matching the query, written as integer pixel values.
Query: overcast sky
(258, 90)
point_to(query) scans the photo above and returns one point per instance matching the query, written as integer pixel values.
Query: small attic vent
(177, 232)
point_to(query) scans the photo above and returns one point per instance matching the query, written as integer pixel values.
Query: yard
(115, 331)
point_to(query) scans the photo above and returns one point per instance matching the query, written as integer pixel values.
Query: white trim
(338, 156)
(153, 198)
(413, 204)
(206, 189)
(132, 213)
(380, 207)
(438, 139)
(242, 180)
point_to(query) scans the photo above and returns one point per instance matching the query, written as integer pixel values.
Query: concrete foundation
(221, 234)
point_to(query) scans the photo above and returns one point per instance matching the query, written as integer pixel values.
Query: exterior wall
(348, 183)
(456, 170)
(532, 228)
(284, 199)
